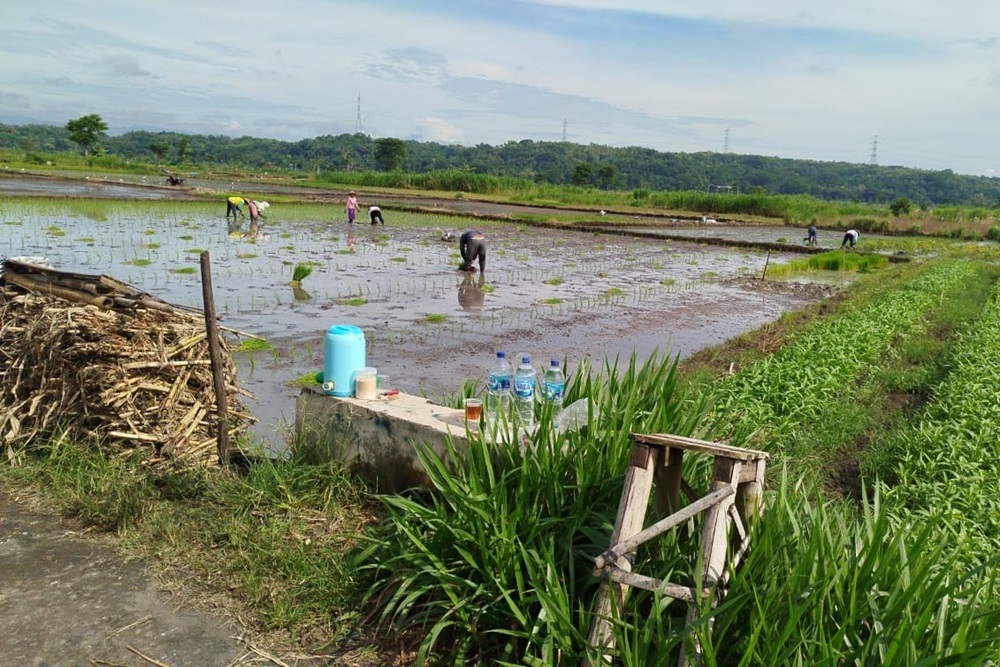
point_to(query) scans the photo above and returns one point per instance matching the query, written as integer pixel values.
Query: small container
(473, 412)
(365, 380)
(382, 381)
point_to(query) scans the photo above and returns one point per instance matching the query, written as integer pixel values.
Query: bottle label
(554, 391)
(524, 387)
(499, 382)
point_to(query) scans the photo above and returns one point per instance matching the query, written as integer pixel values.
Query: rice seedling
(301, 272)
(139, 262)
(183, 270)
(352, 301)
(668, 281)
(252, 345)
(553, 281)
(551, 301)
(434, 318)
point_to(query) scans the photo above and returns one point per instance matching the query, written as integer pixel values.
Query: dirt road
(68, 600)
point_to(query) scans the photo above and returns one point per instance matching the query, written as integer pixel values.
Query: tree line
(557, 163)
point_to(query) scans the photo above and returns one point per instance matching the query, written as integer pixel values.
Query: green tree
(901, 206)
(159, 149)
(183, 148)
(85, 131)
(389, 153)
(606, 175)
(582, 174)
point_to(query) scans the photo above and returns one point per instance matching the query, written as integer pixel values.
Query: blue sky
(790, 78)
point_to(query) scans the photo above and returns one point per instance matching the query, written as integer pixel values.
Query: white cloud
(814, 80)
(439, 130)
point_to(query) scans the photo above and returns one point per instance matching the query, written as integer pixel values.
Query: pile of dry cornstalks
(96, 360)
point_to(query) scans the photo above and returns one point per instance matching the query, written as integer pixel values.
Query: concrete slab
(377, 437)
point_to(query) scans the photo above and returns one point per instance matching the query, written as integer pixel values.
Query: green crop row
(946, 465)
(803, 379)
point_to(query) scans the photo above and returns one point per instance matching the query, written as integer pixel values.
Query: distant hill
(593, 165)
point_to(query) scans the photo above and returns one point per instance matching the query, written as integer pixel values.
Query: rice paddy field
(552, 294)
(879, 543)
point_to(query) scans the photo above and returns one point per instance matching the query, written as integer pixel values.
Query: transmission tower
(564, 130)
(358, 127)
(725, 143)
(873, 156)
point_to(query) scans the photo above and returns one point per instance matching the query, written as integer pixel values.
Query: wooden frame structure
(734, 501)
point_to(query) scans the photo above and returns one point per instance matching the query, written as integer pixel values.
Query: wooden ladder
(734, 500)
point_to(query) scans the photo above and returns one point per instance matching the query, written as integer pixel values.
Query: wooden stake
(215, 355)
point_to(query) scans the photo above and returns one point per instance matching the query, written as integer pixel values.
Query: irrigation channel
(552, 294)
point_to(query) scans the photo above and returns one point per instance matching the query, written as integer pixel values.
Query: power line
(725, 143)
(873, 156)
(358, 126)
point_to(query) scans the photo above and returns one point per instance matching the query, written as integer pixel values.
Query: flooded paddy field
(552, 294)
(827, 238)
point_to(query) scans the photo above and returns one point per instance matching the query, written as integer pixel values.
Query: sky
(914, 83)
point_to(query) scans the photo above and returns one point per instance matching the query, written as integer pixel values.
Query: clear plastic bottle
(524, 394)
(553, 387)
(498, 388)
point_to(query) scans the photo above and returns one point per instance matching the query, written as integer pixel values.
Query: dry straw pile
(91, 357)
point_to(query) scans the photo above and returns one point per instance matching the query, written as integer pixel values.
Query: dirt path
(68, 600)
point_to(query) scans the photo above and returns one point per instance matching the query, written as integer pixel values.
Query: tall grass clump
(494, 563)
(835, 260)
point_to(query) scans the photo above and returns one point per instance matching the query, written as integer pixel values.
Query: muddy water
(565, 295)
(752, 233)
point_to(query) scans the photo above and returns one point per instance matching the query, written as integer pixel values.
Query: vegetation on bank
(875, 549)
(555, 163)
(966, 222)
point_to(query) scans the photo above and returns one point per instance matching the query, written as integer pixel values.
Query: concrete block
(376, 437)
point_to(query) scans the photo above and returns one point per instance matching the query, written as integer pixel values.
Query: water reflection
(470, 292)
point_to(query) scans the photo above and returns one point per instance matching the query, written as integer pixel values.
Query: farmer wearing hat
(352, 206)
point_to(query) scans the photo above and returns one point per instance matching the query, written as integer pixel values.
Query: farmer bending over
(233, 205)
(812, 236)
(472, 245)
(850, 238)
(375, 213)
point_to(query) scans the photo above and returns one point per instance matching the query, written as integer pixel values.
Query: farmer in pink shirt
(352, 206)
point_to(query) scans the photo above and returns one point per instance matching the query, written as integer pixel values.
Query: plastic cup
(473, 412)
(381, 381)
(364, 383)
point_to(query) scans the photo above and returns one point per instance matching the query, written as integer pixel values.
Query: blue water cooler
(345, 354)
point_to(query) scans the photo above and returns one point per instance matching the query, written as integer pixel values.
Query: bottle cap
(501, 355)
(555, 363)
(526, 359)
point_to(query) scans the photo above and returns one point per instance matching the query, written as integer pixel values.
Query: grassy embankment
(799, 210)
(494, 563)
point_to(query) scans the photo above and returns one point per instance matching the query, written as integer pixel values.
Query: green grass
(253, 344)
(183, 270)
(550, 301)
(434, 318)
(553, 281)
(352, 301)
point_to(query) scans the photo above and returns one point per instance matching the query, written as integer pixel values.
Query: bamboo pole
(215, 356)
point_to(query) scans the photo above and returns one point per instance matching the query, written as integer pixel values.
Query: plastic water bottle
(499, 387)
(524, 393)
(553, 386)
